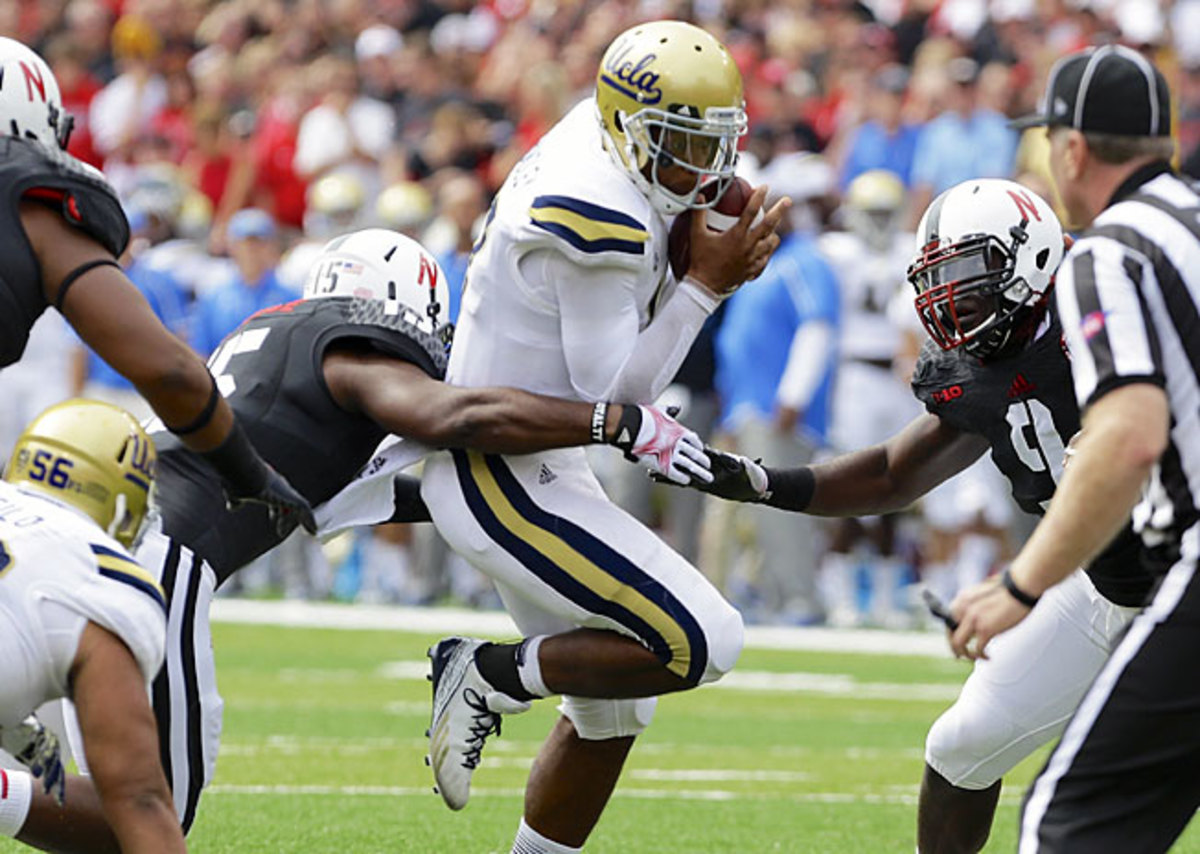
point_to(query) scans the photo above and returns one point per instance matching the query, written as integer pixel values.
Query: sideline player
(569, 294)
(995, 375)
(319, 382)
(870, 401)
(64, 230)
(79, 618)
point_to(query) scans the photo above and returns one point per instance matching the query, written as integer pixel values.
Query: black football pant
(1125, 778)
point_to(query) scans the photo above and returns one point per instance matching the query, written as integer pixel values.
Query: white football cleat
(466, 710)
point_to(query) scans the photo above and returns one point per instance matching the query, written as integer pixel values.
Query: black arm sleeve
(790, 489)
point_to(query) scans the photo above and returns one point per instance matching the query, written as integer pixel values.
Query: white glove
(650, 436)
(37, 747)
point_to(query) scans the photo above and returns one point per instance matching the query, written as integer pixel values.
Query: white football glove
(664, 446)
(37, 748)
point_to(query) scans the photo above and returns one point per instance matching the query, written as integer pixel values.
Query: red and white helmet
(30, 101)
(987, 251)
(383, 265)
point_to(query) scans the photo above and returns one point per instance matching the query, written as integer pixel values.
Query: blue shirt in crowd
(874, 148)
(222, 310)
(761, 320)
(952, 149)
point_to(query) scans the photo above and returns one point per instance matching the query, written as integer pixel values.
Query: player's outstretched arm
(880, 479)
(404, 400)
(121, 743)
(115, 320)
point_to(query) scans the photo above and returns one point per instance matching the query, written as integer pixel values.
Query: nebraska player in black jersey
(995, 376)
(318, 384)
(62, 230)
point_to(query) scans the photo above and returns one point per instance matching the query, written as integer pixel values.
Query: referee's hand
(983, 611)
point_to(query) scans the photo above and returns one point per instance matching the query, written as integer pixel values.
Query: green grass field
(800, 752)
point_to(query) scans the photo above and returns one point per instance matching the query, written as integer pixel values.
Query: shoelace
(486, 722)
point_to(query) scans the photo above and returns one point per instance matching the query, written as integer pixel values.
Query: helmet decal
(632, 79)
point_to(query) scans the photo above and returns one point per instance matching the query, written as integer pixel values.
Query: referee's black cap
(1110, 89)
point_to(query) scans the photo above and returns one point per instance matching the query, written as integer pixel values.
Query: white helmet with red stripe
(383, 265)
(30, 101)
(987, 251)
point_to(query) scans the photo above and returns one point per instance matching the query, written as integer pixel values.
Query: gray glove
(37, 748)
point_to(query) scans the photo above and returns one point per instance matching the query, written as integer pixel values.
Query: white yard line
(325, 615)
(902, 798)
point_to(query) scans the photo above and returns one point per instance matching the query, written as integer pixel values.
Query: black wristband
(790, 489)
(238, 463)
(206, 414)
(628, 427)
(599, 419)
(1016, 592)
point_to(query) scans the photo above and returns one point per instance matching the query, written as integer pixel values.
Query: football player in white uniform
(80, 618)
(569, 295)
(870, 401)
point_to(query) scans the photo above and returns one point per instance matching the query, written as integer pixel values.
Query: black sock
(497, 663)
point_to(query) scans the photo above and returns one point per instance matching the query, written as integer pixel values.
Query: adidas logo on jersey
(545, 475)
(1020, 387)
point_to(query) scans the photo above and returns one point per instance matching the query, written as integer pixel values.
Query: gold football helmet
(873, 205)
(669, 94)
(93, 456)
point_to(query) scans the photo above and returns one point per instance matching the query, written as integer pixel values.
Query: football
(719, 217)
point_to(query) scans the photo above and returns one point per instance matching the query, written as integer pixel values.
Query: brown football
(719, 217)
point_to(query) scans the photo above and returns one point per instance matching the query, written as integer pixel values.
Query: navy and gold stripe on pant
(580, 566)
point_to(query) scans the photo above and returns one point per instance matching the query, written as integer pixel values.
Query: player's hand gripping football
(37, 748)
(671, 452)
(722, 261)
(287, 507)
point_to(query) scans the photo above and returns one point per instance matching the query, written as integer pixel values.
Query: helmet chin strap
(119, 514)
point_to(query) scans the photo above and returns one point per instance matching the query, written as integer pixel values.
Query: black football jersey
(270, 371)
(1024, 405)
(86, 201)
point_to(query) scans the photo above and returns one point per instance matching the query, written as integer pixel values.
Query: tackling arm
(880, 479)
(891, 476)
(114, 319)
(403, 399)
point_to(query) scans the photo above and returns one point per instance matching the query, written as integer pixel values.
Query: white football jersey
(869, 281)
(58, 570)
(566, 195)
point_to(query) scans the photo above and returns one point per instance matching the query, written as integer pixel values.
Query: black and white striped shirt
(1129, 300)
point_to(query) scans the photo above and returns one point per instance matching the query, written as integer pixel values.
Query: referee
(1126, 775)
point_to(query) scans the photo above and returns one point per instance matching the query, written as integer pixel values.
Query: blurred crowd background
(242, 134)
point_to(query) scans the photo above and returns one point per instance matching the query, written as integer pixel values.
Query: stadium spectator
(79, 87)
(776, 361)
(461, 203)
(344, 130)
(123, 110)
(254, 246)
(967, 139)
(886, 140)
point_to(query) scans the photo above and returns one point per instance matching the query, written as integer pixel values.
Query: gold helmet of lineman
(93, 456)
(669, 94)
